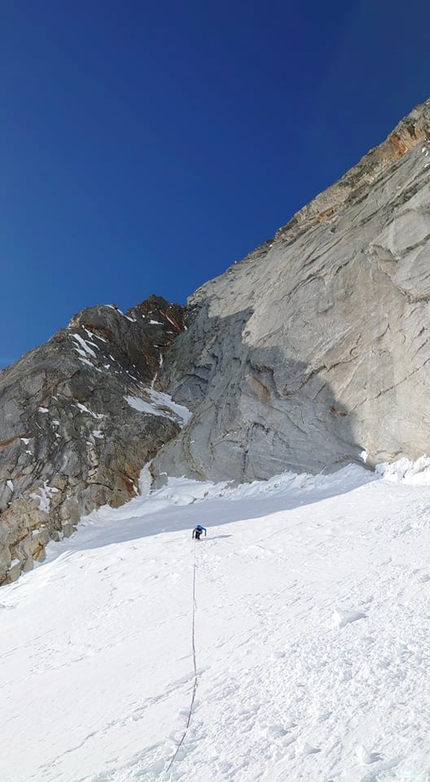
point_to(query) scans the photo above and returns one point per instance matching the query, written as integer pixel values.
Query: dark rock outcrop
(315, 349)
(78, 420)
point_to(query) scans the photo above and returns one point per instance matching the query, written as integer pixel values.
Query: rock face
(315, 348)
(78, 420)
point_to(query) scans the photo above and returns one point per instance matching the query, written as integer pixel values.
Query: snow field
(311, 632)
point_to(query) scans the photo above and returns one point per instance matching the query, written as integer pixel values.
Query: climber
(198, 531)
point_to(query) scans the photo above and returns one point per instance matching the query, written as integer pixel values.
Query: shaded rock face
(78, 420)
(314, 350)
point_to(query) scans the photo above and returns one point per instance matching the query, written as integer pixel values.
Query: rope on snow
(193, 644)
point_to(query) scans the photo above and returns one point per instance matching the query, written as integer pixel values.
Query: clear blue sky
(146, 145)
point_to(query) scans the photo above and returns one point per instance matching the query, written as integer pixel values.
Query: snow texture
(161, 405)
(85, 409)
(308, 621)
(44, 498)
(86, 350)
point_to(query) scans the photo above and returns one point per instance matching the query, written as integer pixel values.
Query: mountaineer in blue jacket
(197, 531)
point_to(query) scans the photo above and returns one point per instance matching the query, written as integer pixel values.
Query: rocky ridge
(79, 417)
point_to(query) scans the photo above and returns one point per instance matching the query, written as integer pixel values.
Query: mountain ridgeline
(74, 431)
(311, 352)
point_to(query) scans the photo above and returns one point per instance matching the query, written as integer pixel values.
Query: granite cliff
(314, 350)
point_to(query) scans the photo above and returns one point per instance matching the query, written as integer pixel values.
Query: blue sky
(145, 146)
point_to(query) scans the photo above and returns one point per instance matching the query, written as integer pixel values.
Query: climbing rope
(193, 645)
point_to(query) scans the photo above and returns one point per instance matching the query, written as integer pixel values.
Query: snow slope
(309, 620)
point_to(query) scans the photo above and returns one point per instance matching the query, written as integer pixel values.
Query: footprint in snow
(387, 765)
(276, 731)
(307, 749)
(343, 618)
(365, 757)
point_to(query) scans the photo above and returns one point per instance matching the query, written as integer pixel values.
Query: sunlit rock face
(314, 350)
(78, 420)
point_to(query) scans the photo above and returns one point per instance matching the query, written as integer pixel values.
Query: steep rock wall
(315, 348)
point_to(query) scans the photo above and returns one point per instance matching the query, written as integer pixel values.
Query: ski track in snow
(311, 630)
